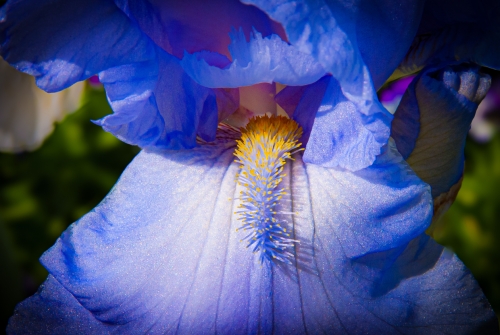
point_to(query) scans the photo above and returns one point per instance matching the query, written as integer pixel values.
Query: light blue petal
(412, 288)
(157, 105)
(432, 121)
(337, 34)
(455, 31)
(161, 253)
(62, 42)
(336, 134)
(43, 312)
(173, 220)
(261, 60)
(328, 31)
(369, 224)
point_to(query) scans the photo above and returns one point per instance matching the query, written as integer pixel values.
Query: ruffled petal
(27, 114)
(328, 33)
(338, 34)
(432, 122)
(261, 60)
(62, 42)
(340, 136)
(335, 134)
(455, 31)
(157, 105)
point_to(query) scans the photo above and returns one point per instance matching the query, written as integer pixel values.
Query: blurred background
(44, 191)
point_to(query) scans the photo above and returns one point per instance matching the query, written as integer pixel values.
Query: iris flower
(229, 222)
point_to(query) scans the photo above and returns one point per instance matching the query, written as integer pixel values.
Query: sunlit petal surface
(161, 254)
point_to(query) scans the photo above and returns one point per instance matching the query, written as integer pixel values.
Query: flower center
(265, 145)
(255, 100)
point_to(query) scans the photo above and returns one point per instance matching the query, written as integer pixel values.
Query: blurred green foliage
(44, 191)
(471, 227)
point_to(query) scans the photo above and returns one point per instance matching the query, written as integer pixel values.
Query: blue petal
(260, 60)
(161, 254)
(423, 289)
(328, 33)
(340, 136)
(197, 25)
(384, 32)
(335, 134)
(370, 224)
(455, 31)
(62, 42)
(337, 33)
(302, 102)
(43, 312)
(432, 122)
(157, 105)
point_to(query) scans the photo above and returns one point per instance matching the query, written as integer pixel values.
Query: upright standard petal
(61, 42)
(338, 34)
(433, 119)
(161, 254)
(328, 32)
(197, 25)
(27, 114)
(455, 31)
(260, 60)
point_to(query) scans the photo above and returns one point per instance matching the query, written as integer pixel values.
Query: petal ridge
(260, 60)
